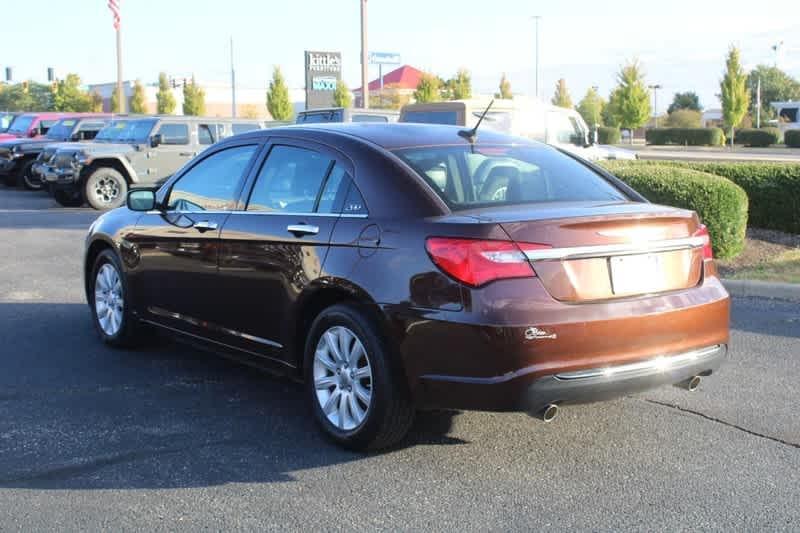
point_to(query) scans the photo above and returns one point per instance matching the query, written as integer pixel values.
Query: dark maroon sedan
(397, 267)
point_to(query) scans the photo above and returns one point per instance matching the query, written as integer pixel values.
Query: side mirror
(33, 133)
(141, 200)
(156, 140)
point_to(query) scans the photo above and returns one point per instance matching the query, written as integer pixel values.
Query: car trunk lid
(602, 250)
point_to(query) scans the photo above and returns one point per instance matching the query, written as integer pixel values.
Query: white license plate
(636, 274)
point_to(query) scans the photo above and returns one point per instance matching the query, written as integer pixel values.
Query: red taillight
(476, 262)
(702, 231)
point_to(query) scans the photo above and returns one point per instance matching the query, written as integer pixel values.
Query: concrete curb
(763, 289)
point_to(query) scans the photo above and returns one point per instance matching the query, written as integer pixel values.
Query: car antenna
(472, 134)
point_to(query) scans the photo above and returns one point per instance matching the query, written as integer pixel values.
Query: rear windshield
(505, 175)
(5, 122)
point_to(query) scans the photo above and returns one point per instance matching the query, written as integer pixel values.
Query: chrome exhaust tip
(549, 413)
(690, 384)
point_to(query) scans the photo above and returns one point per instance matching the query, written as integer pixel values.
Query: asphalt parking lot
(173, 439)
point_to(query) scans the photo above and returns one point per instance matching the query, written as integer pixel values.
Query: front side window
(289, 181)
(432, 117)
(134, 131)
(482, 176)
(174, 133)
(369, 118)
(89, 130)
(212, 183)
(62, 129)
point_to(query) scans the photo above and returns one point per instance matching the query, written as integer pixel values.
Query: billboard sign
(323, 72)
(384, 58)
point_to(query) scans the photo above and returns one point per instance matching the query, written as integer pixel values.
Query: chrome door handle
(205, 225)
(302, 229)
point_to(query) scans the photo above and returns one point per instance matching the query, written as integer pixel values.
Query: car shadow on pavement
(76, 414)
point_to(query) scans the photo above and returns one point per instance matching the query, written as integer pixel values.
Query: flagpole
(120, 94)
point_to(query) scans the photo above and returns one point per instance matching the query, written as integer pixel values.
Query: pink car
(31, 125)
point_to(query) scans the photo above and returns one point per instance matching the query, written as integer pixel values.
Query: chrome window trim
(336, 215)
(663, 362)
(607, 250)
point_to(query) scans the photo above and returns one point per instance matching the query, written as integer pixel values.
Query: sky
(681, 44)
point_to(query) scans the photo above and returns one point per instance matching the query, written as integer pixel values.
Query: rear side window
(504, 175)
(174, 133)
(209, 133)
(369, 118)
(244, 128)
(432, 117)
(289, 181)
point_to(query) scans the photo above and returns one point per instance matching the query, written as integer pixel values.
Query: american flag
(113, 5)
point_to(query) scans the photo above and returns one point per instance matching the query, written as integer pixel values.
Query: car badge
(536, 333)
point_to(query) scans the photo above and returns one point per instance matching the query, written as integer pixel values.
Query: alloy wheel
(342, 378)
(106, 189)
(108, 299)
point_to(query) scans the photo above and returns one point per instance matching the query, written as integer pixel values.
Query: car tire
(373, 408)
(105, 188)
(28, 179)
(112, 316)
(67, 198)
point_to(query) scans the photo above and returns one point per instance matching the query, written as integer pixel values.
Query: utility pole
(364, 81)
(758, 103)
(655, 89)
(233, 84)
(536, 23)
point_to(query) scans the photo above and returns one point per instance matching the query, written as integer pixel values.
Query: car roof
(393, 136)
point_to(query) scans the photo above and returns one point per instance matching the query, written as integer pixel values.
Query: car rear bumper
(552, 352)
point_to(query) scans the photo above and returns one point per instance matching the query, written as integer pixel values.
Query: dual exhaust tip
(550, 411)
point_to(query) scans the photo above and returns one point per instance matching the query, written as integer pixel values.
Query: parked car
(342, 114)
(31, 125)
(531, 118)
(395, 267)
(144, 151)
(5, 121)
(19, 156)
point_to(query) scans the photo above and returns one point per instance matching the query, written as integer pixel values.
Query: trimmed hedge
(720, 203)
(757, 137)
(772, 188)
(608, 135)
(685, 136)
(792, 138)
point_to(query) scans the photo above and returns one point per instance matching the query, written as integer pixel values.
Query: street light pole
(364, 82)
(233, 84)
(655, 89)
(536, 75)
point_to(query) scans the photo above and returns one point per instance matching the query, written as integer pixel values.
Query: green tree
(505, 89)
(278, 103)
(69, 96)
(629, 103)
(684, 118)
(165, 100)
(591, 107)
(97, 102)
(776, 86)
(428, 89)
(194, 99)
(687, 100)
(460, 87)
(734, 95)
(138, 103)
(115, 101)
(561, 97)
(26, 96)
(341, 95)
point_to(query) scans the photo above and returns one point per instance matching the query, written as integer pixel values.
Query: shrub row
(757, 137)
(720, 203)
(608, 135)
(686, 136)
(773, 189)
(792, 138)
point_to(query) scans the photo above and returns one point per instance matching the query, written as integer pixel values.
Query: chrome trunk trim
(608, 250)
